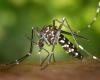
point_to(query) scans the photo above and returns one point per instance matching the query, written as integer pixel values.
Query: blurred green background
(18, 16)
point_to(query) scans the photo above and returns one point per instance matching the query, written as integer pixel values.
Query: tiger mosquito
(51, 35)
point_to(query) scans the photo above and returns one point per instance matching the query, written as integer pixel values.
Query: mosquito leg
(49, 56)
(52, 54)
(45, 66)
(45, 57)
(54, 58)
(48, 62)
(95, 17)
(42, 62)
(31, 47)
(92, 56)
(71, 31)
(20, 60)
(40, 55)
(75, 34)
(25, 56)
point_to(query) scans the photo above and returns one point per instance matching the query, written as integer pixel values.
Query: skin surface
(69, 70)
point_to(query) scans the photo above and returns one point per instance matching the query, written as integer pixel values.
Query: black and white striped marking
(69, 47)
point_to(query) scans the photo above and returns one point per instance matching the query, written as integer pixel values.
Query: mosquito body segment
(69, 47)
(48, 33)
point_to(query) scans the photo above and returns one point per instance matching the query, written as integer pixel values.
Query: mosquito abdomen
(69, 47)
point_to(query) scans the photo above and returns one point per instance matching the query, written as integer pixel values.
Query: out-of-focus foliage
(18, 16)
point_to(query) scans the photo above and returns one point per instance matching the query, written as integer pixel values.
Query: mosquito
(51, 35)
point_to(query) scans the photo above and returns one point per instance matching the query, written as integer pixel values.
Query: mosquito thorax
(48, 33)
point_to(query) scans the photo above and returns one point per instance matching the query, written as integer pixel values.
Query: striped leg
(93, 19)
(25, 56)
